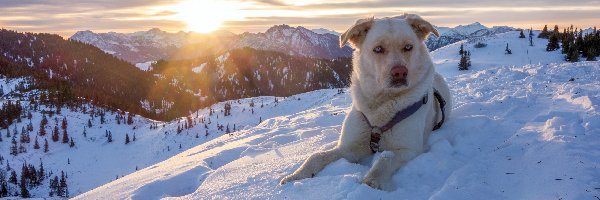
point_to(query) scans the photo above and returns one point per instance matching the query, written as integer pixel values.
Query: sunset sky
(65, 17)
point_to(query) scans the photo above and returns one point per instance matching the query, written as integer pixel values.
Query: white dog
(398, 98)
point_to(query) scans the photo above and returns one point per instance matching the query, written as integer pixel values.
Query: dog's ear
(421, 27)
(357, 33)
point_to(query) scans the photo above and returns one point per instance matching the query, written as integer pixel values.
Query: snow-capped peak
(323, 31)
(469, 28)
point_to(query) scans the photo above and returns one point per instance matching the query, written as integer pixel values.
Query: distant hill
(462, 32)
(168, 89)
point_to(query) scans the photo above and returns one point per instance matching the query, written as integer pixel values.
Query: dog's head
(390, 53)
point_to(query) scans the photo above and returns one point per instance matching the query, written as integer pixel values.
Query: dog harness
(401, 115)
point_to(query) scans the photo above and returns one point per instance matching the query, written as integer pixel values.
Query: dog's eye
(379, 49)
(408, 47)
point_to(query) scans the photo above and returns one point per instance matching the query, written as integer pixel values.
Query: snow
(145, 66)
(323, 31)
(517, 131)
(446, 58)
(199, 68)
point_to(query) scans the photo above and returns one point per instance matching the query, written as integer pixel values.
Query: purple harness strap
(401, 115)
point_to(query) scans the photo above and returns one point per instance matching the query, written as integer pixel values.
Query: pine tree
(72, 143)
(13, 177)
(590, 55)
(521, 35)
(54, 186)
(45, 146)
(13, 148)
(55, 134)
(461, 51)
(531, 37)
(89, 123)
(36, 145)
(109, 139)
(24, 191)
(42, 130)
(464, 61)
(573, 54)
(126, 138)
(3, 189)
(553, 42)
(64, 123)
(65, 137)
(63, 190)
(134, 137)
(544, 34)
(129, 118)
(41, 173)
(507, 50)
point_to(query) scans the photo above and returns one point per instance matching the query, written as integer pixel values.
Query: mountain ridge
(142, 46)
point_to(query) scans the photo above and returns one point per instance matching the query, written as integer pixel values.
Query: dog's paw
(373, 182)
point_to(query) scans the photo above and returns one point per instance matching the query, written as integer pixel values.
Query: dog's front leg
(313, 165)
(388, 163)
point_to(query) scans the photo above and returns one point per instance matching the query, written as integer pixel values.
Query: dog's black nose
(399, 73)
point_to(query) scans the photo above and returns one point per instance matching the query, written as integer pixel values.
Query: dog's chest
(408, 133)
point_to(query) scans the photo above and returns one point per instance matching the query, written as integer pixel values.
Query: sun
(206, 15)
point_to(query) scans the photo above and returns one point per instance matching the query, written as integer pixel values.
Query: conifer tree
(3, 189)
(129, 118)
(72, 144)
(42, 131)
(521, 35)
(544, 34)
(507, 50)
(109, 139)
(64, 123)
(126, 138)
(13, 148)
(590, 55)
(13, 177)
(45, 146)
(36, 145)
(63, 190)
(41, 173)
(55, 134)
(553, 42)
(65, 137)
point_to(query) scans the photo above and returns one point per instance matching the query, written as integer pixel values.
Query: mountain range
(155, 44)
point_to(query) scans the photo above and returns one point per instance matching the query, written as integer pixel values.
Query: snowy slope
(94, 161)
(447, 58)
(517, 131)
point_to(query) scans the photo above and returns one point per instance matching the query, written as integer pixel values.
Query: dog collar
(401, 115)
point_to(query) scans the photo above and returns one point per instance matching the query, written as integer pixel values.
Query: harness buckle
(375, 137)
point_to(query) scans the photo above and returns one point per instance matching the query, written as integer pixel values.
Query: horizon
(65, 18)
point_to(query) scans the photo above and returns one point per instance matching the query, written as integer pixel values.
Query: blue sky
(65, 17)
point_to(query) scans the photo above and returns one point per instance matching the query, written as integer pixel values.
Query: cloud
(68, 16)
